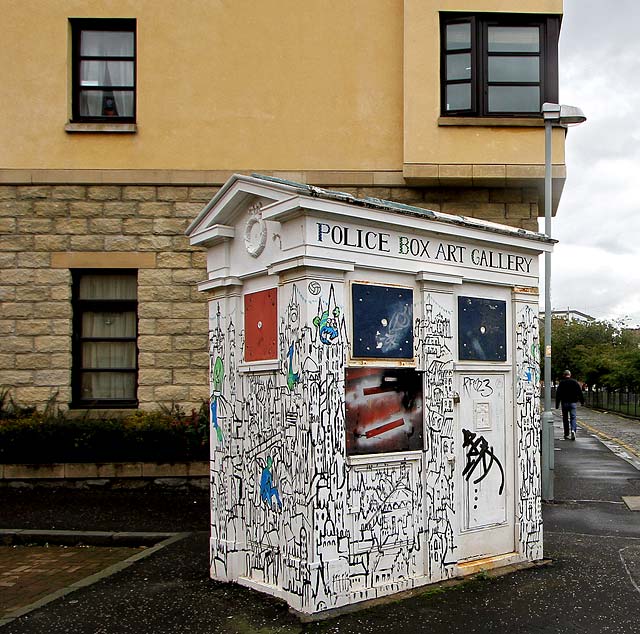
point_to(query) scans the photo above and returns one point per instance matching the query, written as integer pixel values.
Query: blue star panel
(382, 321)
(482, 329)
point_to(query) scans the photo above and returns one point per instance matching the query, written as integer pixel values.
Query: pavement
(591, 536)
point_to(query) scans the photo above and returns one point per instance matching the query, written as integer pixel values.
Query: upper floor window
(498, 65)
(104, 70)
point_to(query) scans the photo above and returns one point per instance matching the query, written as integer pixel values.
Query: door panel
(484, 465)
(482, 422)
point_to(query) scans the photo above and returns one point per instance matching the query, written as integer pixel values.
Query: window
(498, 65)
(104, 70)
(105, 328)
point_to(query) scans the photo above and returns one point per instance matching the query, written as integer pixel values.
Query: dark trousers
(569, 421)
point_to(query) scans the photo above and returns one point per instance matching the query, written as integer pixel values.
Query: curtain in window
(108, 337)
(111, 385)
(108, 354)
(107, 72)
(108, 286)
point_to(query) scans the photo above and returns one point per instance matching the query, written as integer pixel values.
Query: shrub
(169, 435)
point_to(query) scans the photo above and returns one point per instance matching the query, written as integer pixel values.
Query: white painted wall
(292, 514)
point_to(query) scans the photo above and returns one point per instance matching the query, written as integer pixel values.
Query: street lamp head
(562, 114)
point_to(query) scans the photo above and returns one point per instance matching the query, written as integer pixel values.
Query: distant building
(569, 315)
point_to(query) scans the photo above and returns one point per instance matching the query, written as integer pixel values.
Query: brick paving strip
(33, 575)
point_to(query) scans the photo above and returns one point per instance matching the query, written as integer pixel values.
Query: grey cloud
(598, 221)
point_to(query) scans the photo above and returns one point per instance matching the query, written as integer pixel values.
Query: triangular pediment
(238, 194)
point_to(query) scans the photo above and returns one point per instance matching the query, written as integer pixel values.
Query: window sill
(105, 406)
(101, 128)
(493, 122)
(84, 411)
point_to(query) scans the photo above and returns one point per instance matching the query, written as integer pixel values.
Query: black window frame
(79, 307)
(78, 25)
(549, 26)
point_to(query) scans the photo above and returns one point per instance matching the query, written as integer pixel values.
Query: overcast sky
(596, 265)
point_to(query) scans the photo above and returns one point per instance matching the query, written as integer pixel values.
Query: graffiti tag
(479, 455)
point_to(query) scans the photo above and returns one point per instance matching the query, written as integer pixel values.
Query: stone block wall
(516, 206)
(46, 230)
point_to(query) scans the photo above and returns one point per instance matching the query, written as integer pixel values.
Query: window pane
(108, 325)
(458, 36)
(514, 39)
(106, 103)
(459, 97)
(104, 354)
(108, 385)
(114, 286)
(514, 69)
(514, 99)
(459, 66)
(95, 73)
(106, 43)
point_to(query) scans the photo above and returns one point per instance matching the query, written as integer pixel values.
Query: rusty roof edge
(410, 210)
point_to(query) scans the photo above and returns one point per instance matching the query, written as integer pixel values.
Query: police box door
(484, 454)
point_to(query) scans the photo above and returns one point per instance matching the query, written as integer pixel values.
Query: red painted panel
(384, 410)
(261, 325)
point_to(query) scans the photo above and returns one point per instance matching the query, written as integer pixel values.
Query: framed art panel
(382, 321)
(383, 410)
(482, 329)
(261, 325)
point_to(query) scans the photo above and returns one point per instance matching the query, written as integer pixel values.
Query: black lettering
(346, 238)
(370, 245)
(323, 229)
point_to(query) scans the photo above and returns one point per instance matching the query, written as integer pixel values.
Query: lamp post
(559, 115)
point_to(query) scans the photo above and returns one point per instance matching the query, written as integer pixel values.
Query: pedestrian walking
(569, 394)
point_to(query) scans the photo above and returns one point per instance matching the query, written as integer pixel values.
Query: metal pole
(547, 458)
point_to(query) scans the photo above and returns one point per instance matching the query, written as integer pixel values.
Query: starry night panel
(482, 329)
(382, 321)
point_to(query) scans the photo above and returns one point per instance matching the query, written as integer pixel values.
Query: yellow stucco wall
(240, 84)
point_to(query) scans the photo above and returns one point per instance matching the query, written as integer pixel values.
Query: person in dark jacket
(569, 394)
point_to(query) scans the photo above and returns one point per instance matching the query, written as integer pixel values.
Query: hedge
(35, 437)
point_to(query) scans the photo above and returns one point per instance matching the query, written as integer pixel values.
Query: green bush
(169, 435)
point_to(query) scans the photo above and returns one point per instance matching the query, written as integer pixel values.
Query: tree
(599, 353)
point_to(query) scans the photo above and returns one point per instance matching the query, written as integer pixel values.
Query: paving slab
(30, 573)
(632, 502)
(33, 576)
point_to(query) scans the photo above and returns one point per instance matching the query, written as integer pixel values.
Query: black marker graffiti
(479, 453)
(289, 511)
(433, 340)
(529, 508)
(481, 386)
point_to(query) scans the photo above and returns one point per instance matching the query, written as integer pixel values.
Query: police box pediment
(224, 216)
